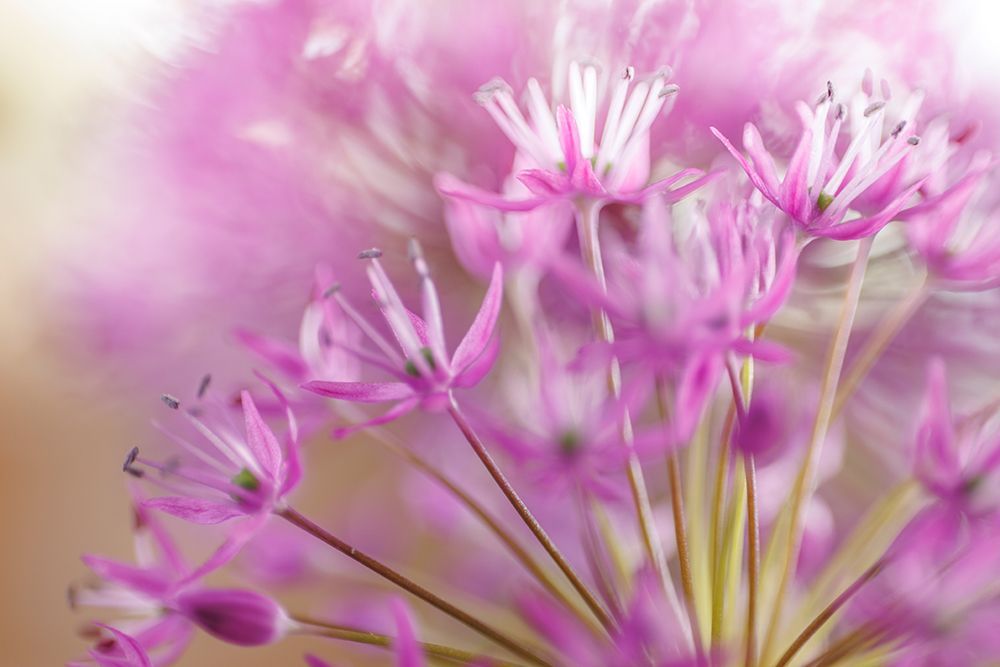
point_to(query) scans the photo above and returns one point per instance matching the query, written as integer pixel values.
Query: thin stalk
(526, 516)
(597, 556)
(824, 414)
(590, 250)
(878, 341)
(829, 611)
(501, 639)
(753, 558)
(493, 524)
(715, 535)
(697, 518)
(853, 642)
(320, 628)
(892, 508)
(680, 524)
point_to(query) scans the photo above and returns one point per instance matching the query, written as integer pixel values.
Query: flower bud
(239, 617)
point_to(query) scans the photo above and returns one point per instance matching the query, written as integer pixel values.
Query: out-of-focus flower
(160, 600)
(425, 373)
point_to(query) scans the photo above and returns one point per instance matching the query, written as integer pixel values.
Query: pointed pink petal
(361, 392)
(167, 553)
(796, 200)
(394, 413)
(452, 187)
(136, 578)
(569, 138)
(238, 538)
(663, 186)
(291, 473)
(195, 510)
(544, 183)
(409, 653)
(764, 350)
(260, 438)
(936, 451)
(473, 374)
(277, 353)
(313, 661)
(751, 171)
(862, 227)
(762, 161)
(478, 336)
(132, 652)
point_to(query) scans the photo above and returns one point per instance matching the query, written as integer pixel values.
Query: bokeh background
(68, 70)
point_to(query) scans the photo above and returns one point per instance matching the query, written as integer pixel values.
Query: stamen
(828, 95)
(913, 141)
(488, 90)
(873, 107)
(629, 73)
(331, 290)
(170, 401)
(669, 89)
(840, 112)
(898, 129)
(206, 380)
(127, 466)
(371, 253)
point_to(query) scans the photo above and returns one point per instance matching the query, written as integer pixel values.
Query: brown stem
(830, 610)
(345, 633)
(516, 549)
(522, 510)
(298, 520)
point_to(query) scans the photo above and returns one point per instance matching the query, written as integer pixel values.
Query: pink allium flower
(230, 473)
(559, 156)
(425, 373)
(160, 600)
(820, 187)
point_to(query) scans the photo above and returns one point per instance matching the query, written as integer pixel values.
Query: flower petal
(361, 392)
(195, 510)
(478, 336)
(409, 653)
(260, 438)
(452, 187)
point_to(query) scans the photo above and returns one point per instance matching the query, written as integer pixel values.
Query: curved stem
(345, 633)
(299, 521)
(522, 510)
(829, 611)
(715, 536)
(878, 341)
(821, 424)
(517, 550)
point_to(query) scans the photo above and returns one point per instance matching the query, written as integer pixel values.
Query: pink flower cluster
(683, 451)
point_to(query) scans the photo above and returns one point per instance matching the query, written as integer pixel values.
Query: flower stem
(298, 520)
(517, 550)
(522, 510)
(830, 610)
(878, 341)
(320, 628)
(753, 558)
(715, 536)
(680, 525)
(821, 424)
(590, 249)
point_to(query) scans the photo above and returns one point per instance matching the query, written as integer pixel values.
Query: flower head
(160, 600)
(229, 472)
(559, 155)
(820, 187)
(424, 372)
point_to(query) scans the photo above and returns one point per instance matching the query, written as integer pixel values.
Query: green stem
(821, 425)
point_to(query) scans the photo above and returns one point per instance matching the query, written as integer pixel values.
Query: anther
(170, 401)
(127, 466)
(669, 89)
(71, 596)
(840, 112)
(629, 73)
(873, 107)
(899, 128)
(913, 141)
(371, 253)
(489, 90)
(331, 290)
(206, 380)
